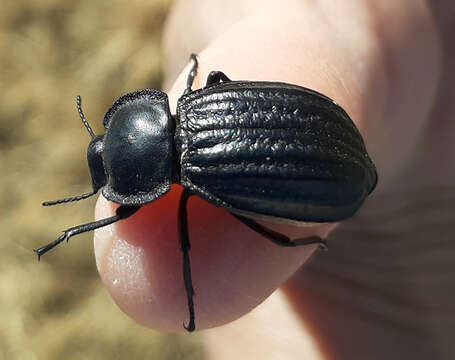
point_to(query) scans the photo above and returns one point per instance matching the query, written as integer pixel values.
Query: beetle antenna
(92, 134)
(70, 199)
(83, 118)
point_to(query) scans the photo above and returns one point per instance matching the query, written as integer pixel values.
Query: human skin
(384, 289)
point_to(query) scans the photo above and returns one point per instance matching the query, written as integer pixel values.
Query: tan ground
(51, 51)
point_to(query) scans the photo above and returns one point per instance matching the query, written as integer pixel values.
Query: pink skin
(381, 283)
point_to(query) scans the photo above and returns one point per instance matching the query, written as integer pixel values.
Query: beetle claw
(191, 326)
(37, 253)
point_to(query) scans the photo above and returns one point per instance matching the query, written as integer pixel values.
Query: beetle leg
(216, 77)
(278, 238)
(192, 74)
(122, 212)
(185, 247)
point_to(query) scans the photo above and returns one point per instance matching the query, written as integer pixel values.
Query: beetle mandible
(264, 150)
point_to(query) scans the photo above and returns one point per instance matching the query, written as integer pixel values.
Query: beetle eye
(95, 162)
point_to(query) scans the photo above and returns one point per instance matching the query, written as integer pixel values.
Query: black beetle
(266, 150)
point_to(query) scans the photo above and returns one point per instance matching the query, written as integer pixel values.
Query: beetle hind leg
(216, 77)
(191, 75)
(122, 212)
(278, 238)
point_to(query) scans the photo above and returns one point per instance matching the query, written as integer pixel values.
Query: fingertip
(102, 236)
(234, 269)
(138, 263)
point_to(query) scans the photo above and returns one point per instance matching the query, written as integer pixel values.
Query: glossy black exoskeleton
(266, 150)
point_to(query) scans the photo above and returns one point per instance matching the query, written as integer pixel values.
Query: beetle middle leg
(278, 238)
(122, 212)
(185, 247)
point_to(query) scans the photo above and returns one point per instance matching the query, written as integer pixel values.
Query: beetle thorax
(138, 148)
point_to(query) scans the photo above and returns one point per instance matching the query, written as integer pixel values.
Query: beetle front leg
(122, 212)
(278, 238)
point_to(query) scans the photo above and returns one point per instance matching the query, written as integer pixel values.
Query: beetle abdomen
(272, 149)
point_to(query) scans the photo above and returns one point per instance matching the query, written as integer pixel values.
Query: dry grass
(50, 51)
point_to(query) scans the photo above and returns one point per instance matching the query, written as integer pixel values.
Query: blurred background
(51, 51)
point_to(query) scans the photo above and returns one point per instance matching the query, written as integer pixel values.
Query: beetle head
(95, 162)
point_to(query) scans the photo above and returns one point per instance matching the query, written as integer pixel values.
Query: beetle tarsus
(37, 253)
(278, 238)
(191, 327)
(311, 241)
(44, 249)
(185, 247)
(323, 246)
(122, 212)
